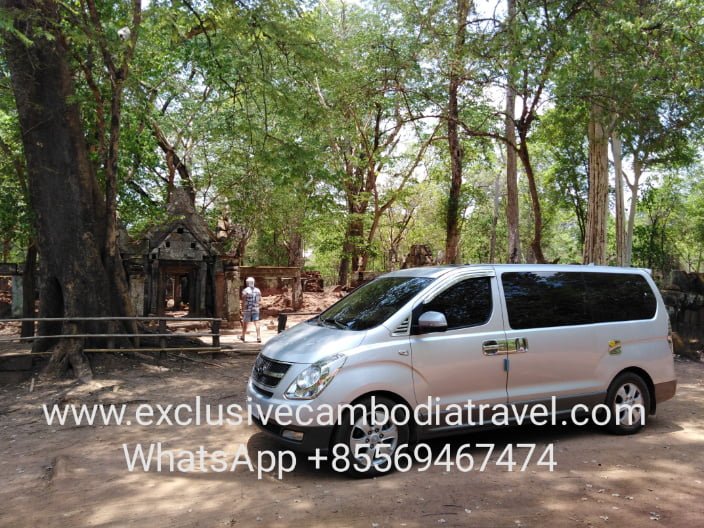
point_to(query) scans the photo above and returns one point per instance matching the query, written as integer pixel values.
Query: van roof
(438, 271)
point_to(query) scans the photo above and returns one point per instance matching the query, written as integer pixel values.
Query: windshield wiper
(335, 322)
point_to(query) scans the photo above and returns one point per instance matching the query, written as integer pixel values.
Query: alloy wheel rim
(629, 404)
(373, 435)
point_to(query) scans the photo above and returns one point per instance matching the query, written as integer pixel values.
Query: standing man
(251, 298)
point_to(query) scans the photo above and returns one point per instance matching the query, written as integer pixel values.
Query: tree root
(69, 354)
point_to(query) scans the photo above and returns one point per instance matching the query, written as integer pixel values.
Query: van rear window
(547, 299)
(619, 297)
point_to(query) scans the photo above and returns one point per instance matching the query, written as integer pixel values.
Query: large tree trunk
(294, 249)
(537, 243)
(343, 272)
(111, 255)
(352, 252)
(495, 217)
(357, 184)
(637, 173)
(356, 237)
(512, 218)
(452, 237)
(598, 207)
(64, 193)
(620, 207)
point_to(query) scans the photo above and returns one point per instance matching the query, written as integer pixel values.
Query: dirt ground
(313, 302)
(56, 476)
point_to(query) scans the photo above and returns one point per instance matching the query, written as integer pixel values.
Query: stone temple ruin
(10, 290)
(183, 262)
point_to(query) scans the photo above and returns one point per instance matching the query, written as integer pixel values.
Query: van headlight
(311, 382)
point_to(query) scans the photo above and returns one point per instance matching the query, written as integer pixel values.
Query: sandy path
(76, 476)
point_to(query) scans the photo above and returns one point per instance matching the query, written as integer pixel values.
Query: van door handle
(492, 347)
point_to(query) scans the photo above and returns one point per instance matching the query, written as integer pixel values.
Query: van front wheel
(369, 436)
(628, 400)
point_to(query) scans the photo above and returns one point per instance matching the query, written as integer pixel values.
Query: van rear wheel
(628, 400)
(370, 435)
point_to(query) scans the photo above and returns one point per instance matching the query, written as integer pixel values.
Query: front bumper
(315, 438)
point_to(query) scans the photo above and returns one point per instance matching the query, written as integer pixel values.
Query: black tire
(628, 389)
(388, 436)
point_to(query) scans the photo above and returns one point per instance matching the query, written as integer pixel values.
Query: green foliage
(16, 218)
(294, 119)
(561, 151)
(670, 234)
(654, 244)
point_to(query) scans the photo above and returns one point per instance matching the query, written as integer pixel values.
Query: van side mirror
(432, 322)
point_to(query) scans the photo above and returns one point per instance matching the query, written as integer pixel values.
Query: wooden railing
(112, 334)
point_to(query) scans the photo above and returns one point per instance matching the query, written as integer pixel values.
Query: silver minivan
(428, 339)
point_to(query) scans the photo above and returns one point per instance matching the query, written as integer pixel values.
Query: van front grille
(269, 372)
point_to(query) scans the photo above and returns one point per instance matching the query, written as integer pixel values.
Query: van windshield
(373, 303)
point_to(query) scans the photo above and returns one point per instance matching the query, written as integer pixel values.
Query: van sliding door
(551, 338)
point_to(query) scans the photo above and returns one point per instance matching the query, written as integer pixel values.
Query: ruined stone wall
(5, 297)
(274, 280)
(684, 297)
(10, 290)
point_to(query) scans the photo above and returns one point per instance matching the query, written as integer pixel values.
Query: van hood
(309, 342)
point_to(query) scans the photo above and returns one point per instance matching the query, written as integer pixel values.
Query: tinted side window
(467, 303)
(544, 299)
(619, 297)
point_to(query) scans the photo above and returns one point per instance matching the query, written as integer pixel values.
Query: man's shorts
(250, 315)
